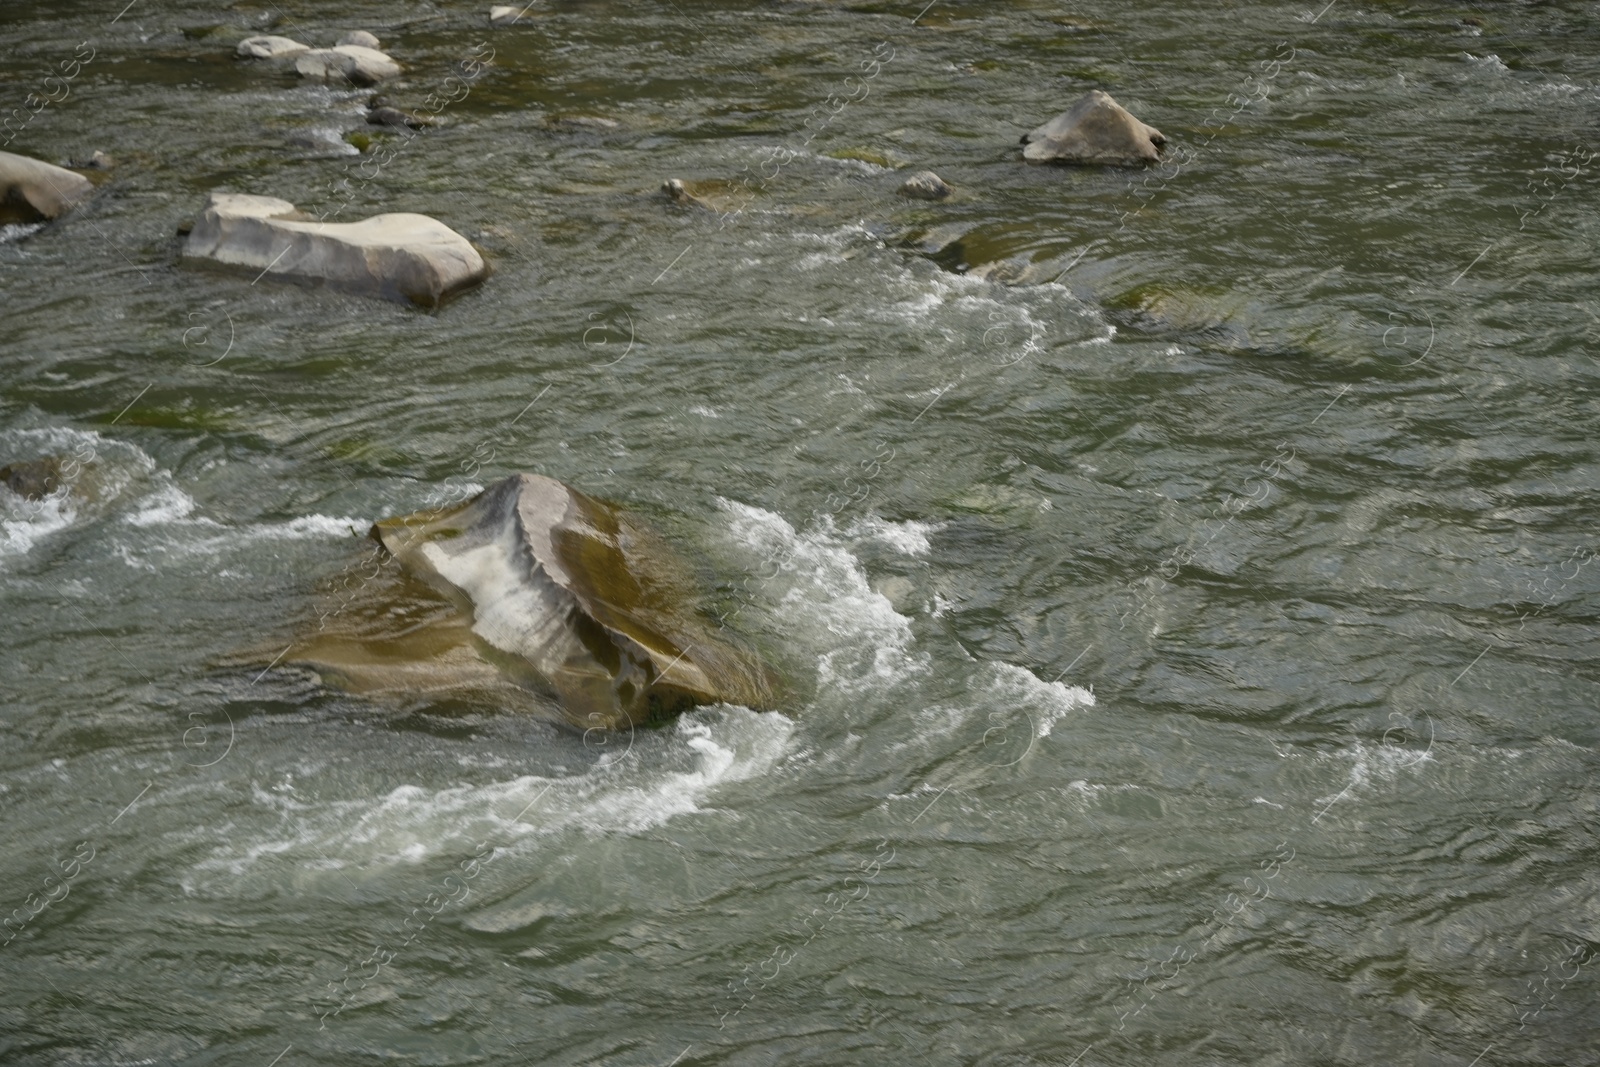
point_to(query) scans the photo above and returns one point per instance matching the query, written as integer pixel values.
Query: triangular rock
(1095, 130)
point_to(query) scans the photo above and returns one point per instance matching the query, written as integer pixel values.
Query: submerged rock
(32, 190)
(32, 479)
(553, 591)
(269, 47)
(925, 185)
(582, 123)
(399, 256)
(381, 113)
(504, 14)
(350, 62)
(678, 190)
(722, 197)
(98, 161)
(1095, 130)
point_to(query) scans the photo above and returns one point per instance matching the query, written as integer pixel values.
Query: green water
(1184, 578)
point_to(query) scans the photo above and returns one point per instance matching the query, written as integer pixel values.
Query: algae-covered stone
(553, 591)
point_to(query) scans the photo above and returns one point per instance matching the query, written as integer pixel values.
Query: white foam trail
(166, 505)
(1370, 764)
(97, 471)
(663, 776)
(1045, 703)
(822, 596)
(26, 522)
(909, 538)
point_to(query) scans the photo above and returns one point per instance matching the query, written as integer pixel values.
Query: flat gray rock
(32, 190)
(361, 38)
(1095, 130)
(269, 47)
(346, 62)
(403, 257)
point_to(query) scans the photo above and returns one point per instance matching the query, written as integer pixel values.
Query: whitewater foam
(659, 777)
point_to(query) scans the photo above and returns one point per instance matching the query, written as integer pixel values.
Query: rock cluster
(355, 58)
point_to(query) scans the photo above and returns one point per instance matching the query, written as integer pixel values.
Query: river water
(1183, 577)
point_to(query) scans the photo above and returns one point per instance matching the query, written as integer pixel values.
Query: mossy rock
(876, 157)
(1182, 308)
(186, 418)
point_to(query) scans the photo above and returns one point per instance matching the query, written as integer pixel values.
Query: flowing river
(1183, 578)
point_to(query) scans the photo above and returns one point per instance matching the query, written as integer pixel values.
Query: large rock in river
(557, 592)
(346, 62)
(399, 256)
(32, 190)
(1096, 129)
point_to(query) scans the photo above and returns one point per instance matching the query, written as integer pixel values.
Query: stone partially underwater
(1095, 130)
(32, 190)
(533, 585)
(399, 256)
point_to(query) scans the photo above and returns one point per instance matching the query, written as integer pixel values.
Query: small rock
(32, 479)
(925, 185)
(351, 62)
(584, 122)
(678, 191)
(398, 256)
(876, 157)
(322, 144)
(32, 190)
(504, 15)
(270, 47)
(1095, 130)
(98, 161)
(722, 197)
(384, 115)
(360, 38)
